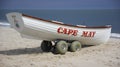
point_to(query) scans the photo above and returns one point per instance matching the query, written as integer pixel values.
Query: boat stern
(15, 20)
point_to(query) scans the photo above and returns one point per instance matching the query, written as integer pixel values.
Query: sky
(59, 4)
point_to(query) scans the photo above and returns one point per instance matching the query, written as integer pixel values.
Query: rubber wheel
(46, 46)
(61, 47)
(75, 45)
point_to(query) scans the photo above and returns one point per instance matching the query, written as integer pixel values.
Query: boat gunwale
(50, 21)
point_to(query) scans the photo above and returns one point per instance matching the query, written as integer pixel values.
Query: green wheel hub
(75, 45)
(61, 47)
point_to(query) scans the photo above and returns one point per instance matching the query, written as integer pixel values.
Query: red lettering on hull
(88, 34)
(73, 32)
(67, 31)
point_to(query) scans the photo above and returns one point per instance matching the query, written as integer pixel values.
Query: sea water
(89, 17)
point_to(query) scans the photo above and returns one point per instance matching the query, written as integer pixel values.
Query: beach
(16, 51)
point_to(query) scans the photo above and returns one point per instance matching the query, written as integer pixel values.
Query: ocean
(89, 17)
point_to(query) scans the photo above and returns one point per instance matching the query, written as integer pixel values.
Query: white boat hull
(47, 30)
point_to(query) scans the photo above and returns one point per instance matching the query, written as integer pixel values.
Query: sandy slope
(20, 52)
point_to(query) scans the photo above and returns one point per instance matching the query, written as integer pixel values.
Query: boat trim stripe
(55, 22)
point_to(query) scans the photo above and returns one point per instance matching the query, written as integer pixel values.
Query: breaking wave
(4, 24)
(115, 35)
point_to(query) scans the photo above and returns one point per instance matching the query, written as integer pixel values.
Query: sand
(21, 52)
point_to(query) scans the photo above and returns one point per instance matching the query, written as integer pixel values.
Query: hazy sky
(60, 4)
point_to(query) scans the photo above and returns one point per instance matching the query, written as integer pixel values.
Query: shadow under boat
(22, 51)
(29, 50)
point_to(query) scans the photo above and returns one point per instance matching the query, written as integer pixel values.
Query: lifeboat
(48, 30)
